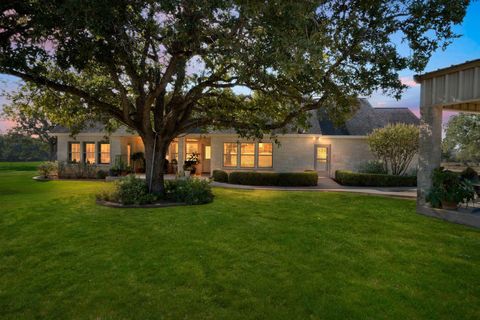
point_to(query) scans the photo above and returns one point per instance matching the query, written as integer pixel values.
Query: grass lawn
(248, 255)
(17, 166)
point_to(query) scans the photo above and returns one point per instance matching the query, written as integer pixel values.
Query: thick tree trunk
(52, 150)
(155, 153)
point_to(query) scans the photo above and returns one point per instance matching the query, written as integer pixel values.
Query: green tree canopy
(165, 67)
(462, 137)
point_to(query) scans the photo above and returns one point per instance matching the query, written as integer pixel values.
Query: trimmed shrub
(129, 190)
(220, 176)
(48, 168)
(291, 179)
(190, 191)
(372, 166)
(101, 174)
(348, 178)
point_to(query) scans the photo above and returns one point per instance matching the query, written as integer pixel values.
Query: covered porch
(180, 150)
(455, 88)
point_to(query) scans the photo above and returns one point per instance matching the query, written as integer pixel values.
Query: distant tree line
(30, 139)
(462, 139)
(18, 147)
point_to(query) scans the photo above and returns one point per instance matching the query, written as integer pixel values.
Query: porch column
(181, 153)
(115, 149)
(430, 150)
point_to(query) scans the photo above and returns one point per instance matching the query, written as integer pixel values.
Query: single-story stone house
(323, 147)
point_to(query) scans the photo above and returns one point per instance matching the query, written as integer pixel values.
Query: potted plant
(187, 168)
(471, 175)
(191, 162)
(449, 189)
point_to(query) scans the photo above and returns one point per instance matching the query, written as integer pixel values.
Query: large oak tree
(165, 67)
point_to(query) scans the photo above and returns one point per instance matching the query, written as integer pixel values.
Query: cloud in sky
(409, 81)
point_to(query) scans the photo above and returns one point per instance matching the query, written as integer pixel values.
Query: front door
(206, 157)
(322, 159)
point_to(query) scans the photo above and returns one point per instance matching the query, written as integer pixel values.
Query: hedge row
(290, 179)
(348, 178)
(220, 176)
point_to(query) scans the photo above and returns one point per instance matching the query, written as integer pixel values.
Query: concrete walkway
(329, 185)
(324, 185)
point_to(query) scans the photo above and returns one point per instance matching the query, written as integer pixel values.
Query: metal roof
(453, 68)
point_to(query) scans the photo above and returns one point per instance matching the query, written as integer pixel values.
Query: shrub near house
(349, 178)
(134, 191)
(394, 146)
(290, 179)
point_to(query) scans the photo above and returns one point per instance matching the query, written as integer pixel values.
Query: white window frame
(257, 156)
(223, 155)
(239, 156)
(70, 152)
(100, 152)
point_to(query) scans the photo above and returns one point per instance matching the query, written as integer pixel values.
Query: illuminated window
(129, 154)
(191, 148)
(247, 155)
(104, 153)
(173, 151)
(265, 155)
(321, 162)
(89, 152)
(230, 151)
(208, 152)
(74, 152)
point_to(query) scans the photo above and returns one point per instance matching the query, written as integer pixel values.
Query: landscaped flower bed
(287, 179)
(132, 191)
(349, 178)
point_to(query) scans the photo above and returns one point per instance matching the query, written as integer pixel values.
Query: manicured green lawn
(23, 166)
(248, 255)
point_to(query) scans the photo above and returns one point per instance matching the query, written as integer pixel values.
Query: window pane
(265, 161)
(89, 153)
(247, 155)
(265, 155)
(321, 161)
(172, 151)
(192, 148)
(104, 153)
(129, 154)
(265, 148)
(230, 154)
(322, 153)
(208, 152)
(74, 153)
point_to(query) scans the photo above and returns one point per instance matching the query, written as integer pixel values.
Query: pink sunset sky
(465, 48)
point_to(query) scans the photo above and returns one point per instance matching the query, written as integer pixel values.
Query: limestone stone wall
(117, 145)
(296, 153)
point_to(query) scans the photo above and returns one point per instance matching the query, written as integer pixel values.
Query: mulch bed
(162, 204)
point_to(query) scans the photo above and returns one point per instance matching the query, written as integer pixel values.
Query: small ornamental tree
(162, 68)
(395, 145)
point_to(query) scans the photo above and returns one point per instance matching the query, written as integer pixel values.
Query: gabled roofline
(453, 68)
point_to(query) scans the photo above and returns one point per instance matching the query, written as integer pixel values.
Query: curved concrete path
(329, 185)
